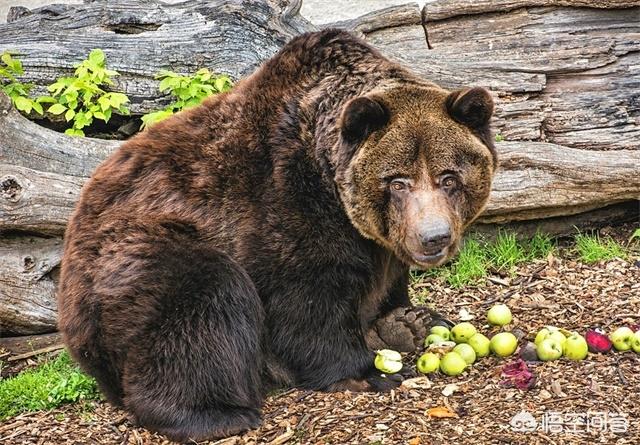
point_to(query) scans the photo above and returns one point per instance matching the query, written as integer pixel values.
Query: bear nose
(435, 235)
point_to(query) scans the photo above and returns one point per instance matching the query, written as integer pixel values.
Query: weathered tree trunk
(563, 73)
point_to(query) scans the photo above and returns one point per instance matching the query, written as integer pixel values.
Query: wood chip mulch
(595, 401)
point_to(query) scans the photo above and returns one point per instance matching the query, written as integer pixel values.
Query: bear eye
(449, 182)
(399, 185)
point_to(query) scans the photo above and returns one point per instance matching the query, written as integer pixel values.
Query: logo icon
(524, 422)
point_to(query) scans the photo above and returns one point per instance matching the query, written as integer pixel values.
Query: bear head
(414, 166)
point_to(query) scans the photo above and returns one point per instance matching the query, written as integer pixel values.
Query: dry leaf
(450, 389)
(440, 412)
(544, 394)
(465, 315)
(414, 441)
(557, 389)
(417, 383)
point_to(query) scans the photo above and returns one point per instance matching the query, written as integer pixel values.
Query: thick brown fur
(252, 240)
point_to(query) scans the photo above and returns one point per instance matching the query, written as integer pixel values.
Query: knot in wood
(10, 189)
(29, 262)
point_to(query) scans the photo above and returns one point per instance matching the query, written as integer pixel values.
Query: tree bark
(563, 73)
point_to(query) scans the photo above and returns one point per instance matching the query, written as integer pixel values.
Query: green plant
(188, 91)
(591, 248)
(506, 252)
(52, 383)
(540, 246)
(635, 235)
(10, 69)
(81, 97)
(499, 137)
(470, 264)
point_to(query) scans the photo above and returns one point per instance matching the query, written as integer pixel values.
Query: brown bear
(253, 240)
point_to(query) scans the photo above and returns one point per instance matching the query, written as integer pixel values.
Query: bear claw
(403, 329)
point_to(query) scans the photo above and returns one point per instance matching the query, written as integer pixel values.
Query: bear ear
(361, 117)
(472, 107)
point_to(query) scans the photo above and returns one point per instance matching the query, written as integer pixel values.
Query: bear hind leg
(196, 374)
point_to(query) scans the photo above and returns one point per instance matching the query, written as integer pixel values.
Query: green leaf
(166, 73)
(7, 75)
(22, 104)
(45, 100)
(168, 83)
(155, 117)
(96, 56)
(222, 84)
(69, 115)
(37, 107)
(73, 132)
(81, 71)
(6, 58)
(118, 99)
(57, 109)
(104, 102)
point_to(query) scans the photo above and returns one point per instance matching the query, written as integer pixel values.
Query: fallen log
(30, 343)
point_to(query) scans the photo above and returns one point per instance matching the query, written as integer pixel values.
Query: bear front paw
(403, 329)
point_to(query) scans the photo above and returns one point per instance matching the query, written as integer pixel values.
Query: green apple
(428, 363)
(549, 349)
(621, 338)
(480, 344)
(635, 342)
(452, 364)
(575, 348)
(550, 332)
(499, 315)
(433, 339)
(388, 361)
(442, 331)
(504, 344)
(466, 352)
(462, 332)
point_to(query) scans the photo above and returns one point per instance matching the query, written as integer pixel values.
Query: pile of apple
(451, 351)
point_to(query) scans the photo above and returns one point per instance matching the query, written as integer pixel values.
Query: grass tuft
(469, 266)
(540, 246)
(51, 384)
(592, 248)
(506, 252)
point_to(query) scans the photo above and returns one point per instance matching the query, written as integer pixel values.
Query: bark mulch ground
(593, 401)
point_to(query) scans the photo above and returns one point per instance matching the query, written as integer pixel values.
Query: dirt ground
(593, 401)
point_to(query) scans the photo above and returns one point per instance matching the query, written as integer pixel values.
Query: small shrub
(53, 383)
(81, 97)
(10, 69)
(591, 248)
(188, 91)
